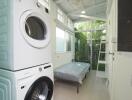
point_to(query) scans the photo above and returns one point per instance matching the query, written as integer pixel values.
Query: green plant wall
(82, 46)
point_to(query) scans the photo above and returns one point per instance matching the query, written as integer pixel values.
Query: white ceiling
(93, 8)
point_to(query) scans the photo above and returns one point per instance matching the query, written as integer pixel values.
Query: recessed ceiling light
(83, 12)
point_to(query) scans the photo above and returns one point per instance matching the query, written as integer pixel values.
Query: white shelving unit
(99, 73)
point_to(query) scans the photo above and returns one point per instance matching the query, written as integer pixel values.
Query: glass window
(60, 15)
(72, 43)
(35, 28)
(60, 43)
(63, 40)
(68, 41)
(70, 23)
(42, 89)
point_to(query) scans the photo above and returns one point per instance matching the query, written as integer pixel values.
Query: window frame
(60, 15)
(66, 33)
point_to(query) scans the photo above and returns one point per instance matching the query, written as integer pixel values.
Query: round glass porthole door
(35, 29)
(40, 90)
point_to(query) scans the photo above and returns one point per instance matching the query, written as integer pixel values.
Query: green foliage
(97, 34)
(80, 46)
(101, 67)
(83, 32)
(89, 25)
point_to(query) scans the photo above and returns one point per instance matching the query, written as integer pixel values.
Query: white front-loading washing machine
(24, 34)
(29, 84)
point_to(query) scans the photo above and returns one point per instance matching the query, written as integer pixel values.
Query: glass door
(42, 89)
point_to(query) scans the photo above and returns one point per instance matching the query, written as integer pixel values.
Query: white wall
(58, 59)
(110, 44)
(121, 78)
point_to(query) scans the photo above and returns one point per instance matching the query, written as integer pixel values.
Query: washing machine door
(42, 89)
(35, 28)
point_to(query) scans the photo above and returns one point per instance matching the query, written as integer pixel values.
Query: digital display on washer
(35, 28)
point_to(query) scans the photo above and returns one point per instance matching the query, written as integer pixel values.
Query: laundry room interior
(65, 50)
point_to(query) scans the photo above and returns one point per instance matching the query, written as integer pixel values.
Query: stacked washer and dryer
(26, 72)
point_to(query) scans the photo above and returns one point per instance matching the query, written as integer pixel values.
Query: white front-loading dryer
(30, 84)
(25, 34)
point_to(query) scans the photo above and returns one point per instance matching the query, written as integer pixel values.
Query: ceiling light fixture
(83, 12)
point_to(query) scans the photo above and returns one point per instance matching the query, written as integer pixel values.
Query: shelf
(102, 62)
(102, 52)
(103, 42)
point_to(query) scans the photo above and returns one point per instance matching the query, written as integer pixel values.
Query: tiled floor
(93, 88)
